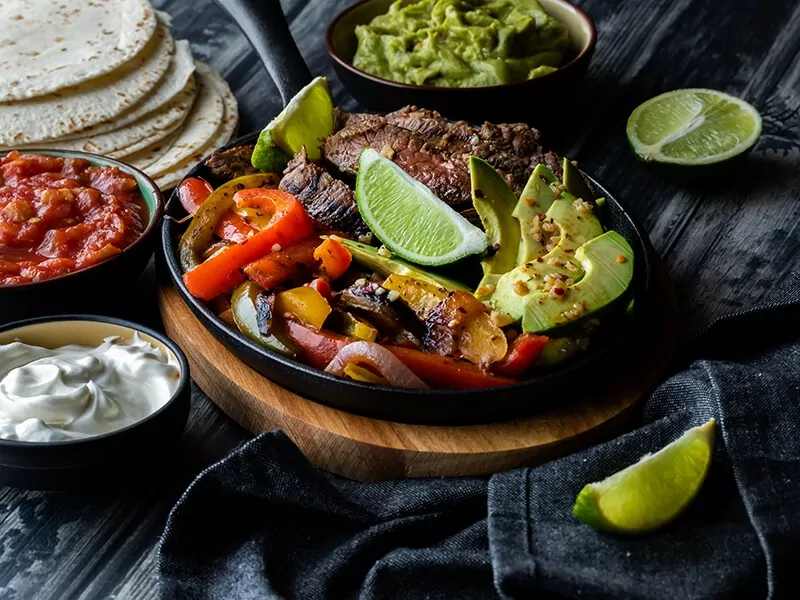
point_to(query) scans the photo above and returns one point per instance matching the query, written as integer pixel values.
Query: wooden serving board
(370, 449)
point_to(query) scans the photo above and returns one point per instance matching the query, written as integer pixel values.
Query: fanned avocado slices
(561, 231)
(608, 263)
(535, 200)
(574, 182)
(553, 265)
(494, 201)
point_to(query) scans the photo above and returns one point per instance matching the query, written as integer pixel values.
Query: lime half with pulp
(693, 127)
(408, 217)
(653, 491)
(306, 121)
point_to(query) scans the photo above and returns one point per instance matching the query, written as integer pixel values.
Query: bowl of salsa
(75, 229)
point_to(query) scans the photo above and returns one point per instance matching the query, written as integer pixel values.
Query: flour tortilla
(174, 82)
(71, 110)
(147, 156)
(201, 124)
(155, 136)
(223, 135)
(139, 134)
(46, 46)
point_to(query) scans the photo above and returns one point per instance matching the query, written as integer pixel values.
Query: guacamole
(461, 43)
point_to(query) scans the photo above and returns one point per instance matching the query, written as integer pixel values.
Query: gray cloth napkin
(263, 523)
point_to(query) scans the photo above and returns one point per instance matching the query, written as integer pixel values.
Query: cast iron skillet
(268, 32)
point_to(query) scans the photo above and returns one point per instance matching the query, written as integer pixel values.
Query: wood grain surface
(726, 239)
(370, 449)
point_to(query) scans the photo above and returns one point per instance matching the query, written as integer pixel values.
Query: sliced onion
(380, 359)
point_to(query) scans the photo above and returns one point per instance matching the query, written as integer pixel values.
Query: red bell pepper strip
(446, 372)
(322, 287)
(289, 223)
(233, 228)
(317, 347)
(281, 266)
(335, 258)
(524, 351)
(192, 192)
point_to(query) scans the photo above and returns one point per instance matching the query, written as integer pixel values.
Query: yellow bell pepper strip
(200, 231)
(289, 223)
(354, 327)
(420, 296)
(335, 258)
(305, 304)
(445, 372)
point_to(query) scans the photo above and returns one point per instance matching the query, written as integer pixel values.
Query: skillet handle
(264, 24)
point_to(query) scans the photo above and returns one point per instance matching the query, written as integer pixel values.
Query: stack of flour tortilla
(107, 77)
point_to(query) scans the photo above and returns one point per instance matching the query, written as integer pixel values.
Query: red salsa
(59, 215)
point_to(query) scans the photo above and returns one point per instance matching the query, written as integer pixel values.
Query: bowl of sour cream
(81, 396)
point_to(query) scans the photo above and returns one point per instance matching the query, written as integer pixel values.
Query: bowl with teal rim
(98, 286)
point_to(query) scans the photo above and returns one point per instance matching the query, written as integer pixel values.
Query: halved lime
(306, 121)
(653, 491)
(408, 217)
(693, 127)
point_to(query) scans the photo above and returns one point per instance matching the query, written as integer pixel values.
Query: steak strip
(230, 164)
(329, 201)
(435, 151)
(447, 178)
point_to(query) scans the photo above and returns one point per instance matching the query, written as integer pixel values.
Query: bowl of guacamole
(471, 59)
(462, 43)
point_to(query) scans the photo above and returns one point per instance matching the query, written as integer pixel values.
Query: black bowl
(520, 101)
(96, 287)
(428, 406)
(104, 459)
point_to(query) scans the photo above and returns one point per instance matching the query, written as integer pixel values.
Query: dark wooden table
(727, 240)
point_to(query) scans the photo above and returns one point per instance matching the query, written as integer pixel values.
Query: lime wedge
(693, 127)
(408, 218)
(653, 491)
(306, 121)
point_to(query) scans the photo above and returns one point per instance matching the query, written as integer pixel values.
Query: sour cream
(76, 391)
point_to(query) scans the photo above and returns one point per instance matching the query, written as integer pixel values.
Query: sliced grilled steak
(435, 150)
(329, 201)
(342, 119)
(447, 177)
(517, 139)
(229, 164)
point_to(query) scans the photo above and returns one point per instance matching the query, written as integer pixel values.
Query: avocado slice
(608, 263)
(536, 199)
(384, 266)
(575, 224)
(494, 201)
(575, 183)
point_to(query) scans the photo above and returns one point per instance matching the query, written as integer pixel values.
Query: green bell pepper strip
(245, 314)
(198, 235)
